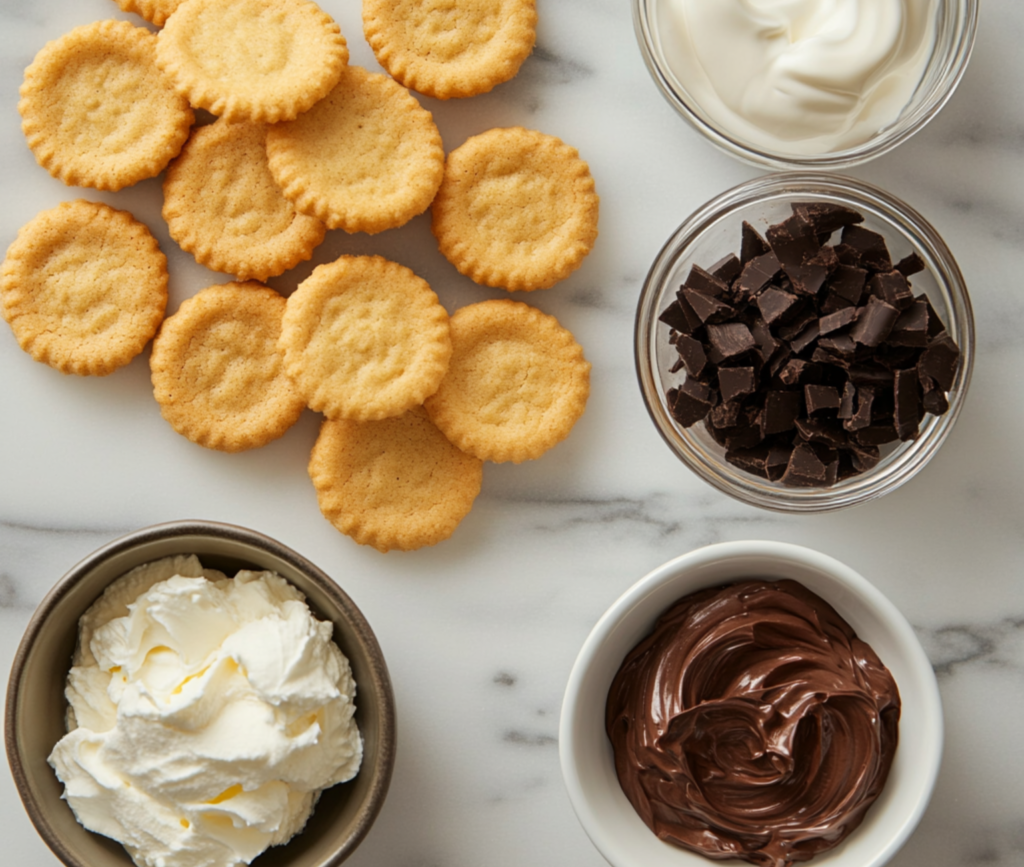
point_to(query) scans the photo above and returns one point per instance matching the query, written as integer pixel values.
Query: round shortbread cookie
(154, 11)
(516, 384)
(365, 339)
(84, 287)
(258, 60)
(366, 158)
(98, 112)
(446, 50)
(222, 205)
(397, 483)
(217, 372)
(516, 210)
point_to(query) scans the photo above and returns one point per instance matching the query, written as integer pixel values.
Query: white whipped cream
(206, 715)
(800, 76)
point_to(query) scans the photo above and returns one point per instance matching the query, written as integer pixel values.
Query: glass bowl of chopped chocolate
(804, 342)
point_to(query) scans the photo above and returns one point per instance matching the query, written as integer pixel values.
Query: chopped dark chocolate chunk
(731, 338)
(725, 414)
(805, 338)
(892, 287)
(774, 303)
(809, 467)
(690, 402)
(846, 400)
(910, 265)
(807, 279)
(781, 409)
(735, 382)
(826, 217)
(691, 353)
(874, 322)
(908, 403)
(819, 397)
(727, 268)
(911, 329)
(752, 244)
(803, 359)
(940, 361)
(793, 241)
(756, 274)
(707, 307)
(835, 321)
(874, 254)
(701, 281)
(848, 282)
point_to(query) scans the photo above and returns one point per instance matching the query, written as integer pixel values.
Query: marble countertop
(480, 632)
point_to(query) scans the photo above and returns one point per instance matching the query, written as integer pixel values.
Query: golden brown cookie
(396, 483)
(516, 210)
(257, 60)
(98, 112)
(516, 384)
(365, 339)
(442, 51)
(154, 11)
(84, 287)
(365, 159)
(217, 372)
(222, 205)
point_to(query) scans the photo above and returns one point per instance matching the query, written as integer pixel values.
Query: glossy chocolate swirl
(753, 723)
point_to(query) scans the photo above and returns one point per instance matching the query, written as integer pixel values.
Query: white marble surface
(480, 632)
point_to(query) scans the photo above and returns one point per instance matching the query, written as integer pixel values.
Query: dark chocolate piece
(701, 281)
(908, 404)
(793, 241)
(752, 244)
(826, 217)
(874, 254)
(848, 282)
(847, 255)
(864, 457)
(940, 361)
(911, 264)
(693, 321)
(819, 397)
(807, 470)
(774, 303)
(707, 307)
(808, 278)
(846, 400)
(674, 317)
(814, 430)
(892, 287)
(690, 402)
(781, 409)
(805, 338)
(876, 435)
(727, 268)
(874, 322)
(691, 353)
(757, 273)
(835, 321)
(731, 339)
(911, 329)
(735, 382)
(725, 415)
(862, 417)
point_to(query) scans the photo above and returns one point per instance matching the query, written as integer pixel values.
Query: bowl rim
(796, 185)
(779, 552)
(359, 626)
(881, 143)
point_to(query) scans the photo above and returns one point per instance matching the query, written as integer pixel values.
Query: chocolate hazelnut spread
(753, 723)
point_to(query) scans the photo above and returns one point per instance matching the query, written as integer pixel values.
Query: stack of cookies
(303, 142)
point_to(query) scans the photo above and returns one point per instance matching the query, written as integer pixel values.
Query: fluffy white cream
(800, 76)
(206, 715)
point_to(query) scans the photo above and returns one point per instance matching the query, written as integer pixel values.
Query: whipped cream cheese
(800, 76)
(206, 715)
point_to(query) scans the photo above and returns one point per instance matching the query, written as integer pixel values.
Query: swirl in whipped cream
(800, 76)
(753, 723)
(206, 715)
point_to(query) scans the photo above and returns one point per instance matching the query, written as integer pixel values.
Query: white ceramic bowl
(586, 753)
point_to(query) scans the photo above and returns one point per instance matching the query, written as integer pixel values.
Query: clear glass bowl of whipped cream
(806, 83)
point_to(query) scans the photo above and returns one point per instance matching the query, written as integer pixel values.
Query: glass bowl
(714, 231)
(954, 39)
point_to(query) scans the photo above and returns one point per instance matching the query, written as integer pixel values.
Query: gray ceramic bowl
(34, 719)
